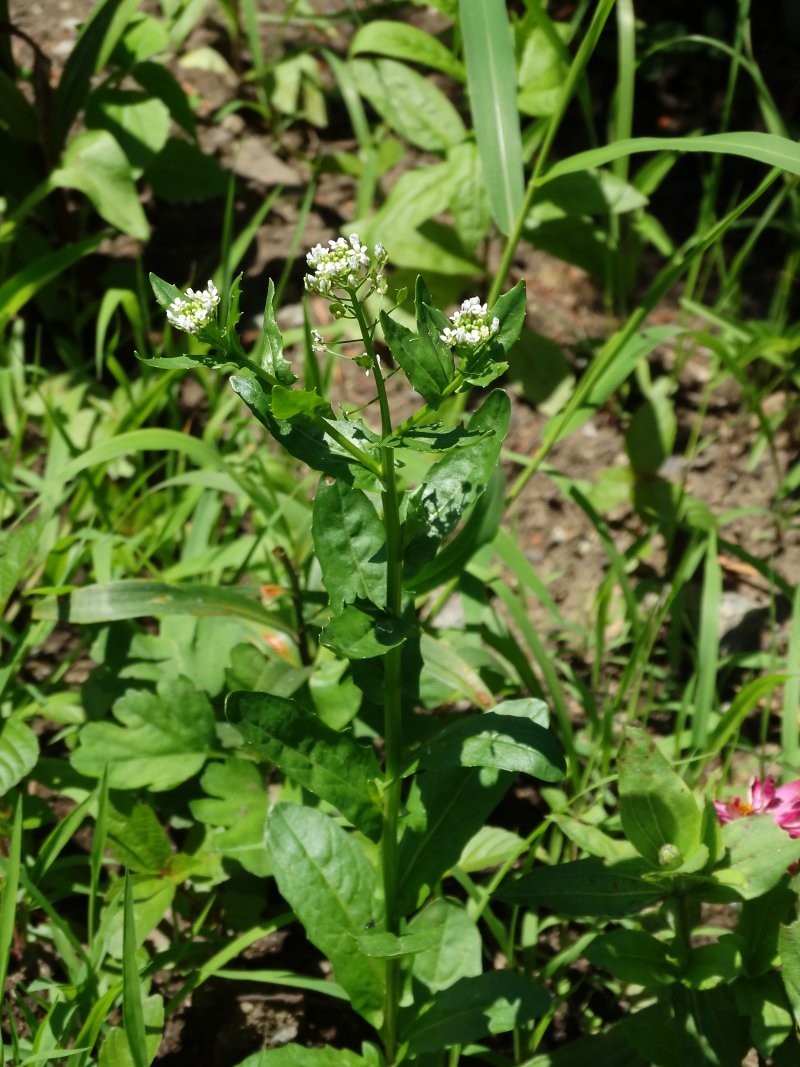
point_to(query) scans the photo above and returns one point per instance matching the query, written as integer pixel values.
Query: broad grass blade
(762, 147)
(24, 285)
(707, 647)
(491, 68)
(9, 899)
(790, 740)
(132, 1011)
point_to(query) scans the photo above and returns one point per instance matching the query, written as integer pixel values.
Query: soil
(223, 1021)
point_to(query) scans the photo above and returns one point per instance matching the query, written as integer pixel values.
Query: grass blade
(491, 67)
(707, 646)
(790, 742)
(9, 902)
(132, 1010)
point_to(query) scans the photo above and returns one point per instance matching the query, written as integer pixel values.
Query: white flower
(193, 310)
(317, 341)
(471, 325)
(343, 266)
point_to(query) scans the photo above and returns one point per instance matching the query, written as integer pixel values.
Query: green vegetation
(443, 646)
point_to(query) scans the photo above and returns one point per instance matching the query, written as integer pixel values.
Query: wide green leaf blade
(363, 634)
(136, 598)
(766, 148)
(759, 855)
(331, 765)
(94, 163)
(586, 887)
(659, 813)
(399, 40)
(420, 365)
(236, 805)
(455, 482)
(297, 1056)
(491, 78)
(163, 739)
(505, 742)
(350, 543)
(634, 956)
(410, 104)
(491, 1003)
(19, 751)
(445, 810)
(323, 874)
(453, 947)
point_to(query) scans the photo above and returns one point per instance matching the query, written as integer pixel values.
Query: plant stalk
(392, 700)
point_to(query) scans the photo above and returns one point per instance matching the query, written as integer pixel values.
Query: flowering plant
(405, 954)
(781, 803)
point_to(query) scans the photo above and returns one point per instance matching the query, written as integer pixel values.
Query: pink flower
(781, 802)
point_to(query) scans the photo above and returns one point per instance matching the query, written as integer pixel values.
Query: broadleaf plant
(388, 814)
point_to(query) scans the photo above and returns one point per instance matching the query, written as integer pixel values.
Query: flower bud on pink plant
(781, 802)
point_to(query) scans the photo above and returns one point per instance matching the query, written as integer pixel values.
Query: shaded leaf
(238, 804)
(586, 887)
(19, 752)
(350, 543)
(323, 874)
(361, 634)
(331, 765)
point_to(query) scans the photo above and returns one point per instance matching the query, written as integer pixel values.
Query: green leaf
(26, 283)
(455, 482)
(17, 551)
(469, 202)
(479, 530)
(510, 309)
(163, 740)
(453, 947)
(268, 350)
(135, 598)
(331, 765)
(472, 1008)
(95, 44)
(94, 163)
(410, 104)
(453, 676)
(762, 147)
(304, 440)
(157, 80)
(763, 1002)
(425, 359)
(656, 806)
(16, 112)
(542, 72)
(289, 403)
(19, 752)
(491, 73)
(137, 121)
(399, 40)
(165, 294)
(598, 193)
(491, 846)
(361, 634)
(181, 171)
(586, 887)
(115, 1050)
(759, 855)
(132, 1009)
(444, 812)
(718, 963)
(238, 805)
(633, 956)
(350, 543)
(789, 945)
(492, 739)
(138, 840)
(323, 874)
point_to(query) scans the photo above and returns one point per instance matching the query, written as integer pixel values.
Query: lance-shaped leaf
(331, 765)
(505, 742)
(19, 751)
(479, 530)
(510, 310)
(350, 543)
(268, 351)
(586, 887)
(656, 806)
(472, 1008)
(163, 739)
(324, 875)
(303, 439)
(164, 292)
(356, 633)
(455, 482)
(445, 810)
(420, 364)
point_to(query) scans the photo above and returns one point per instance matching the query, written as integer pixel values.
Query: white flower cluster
(343, 266)
(193, 310)
(471, 325)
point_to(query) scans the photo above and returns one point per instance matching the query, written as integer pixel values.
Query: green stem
(392, 702)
